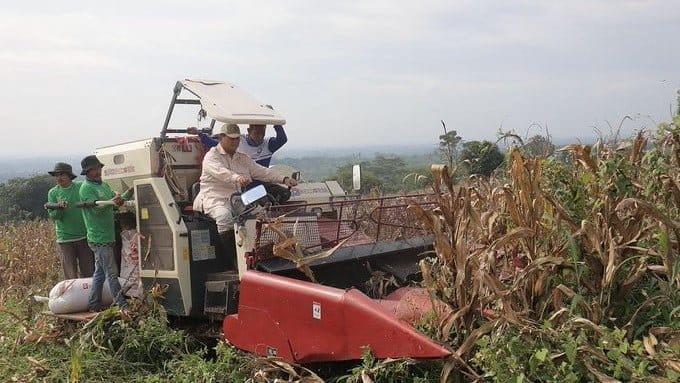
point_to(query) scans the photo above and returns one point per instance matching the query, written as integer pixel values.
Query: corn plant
(574, 262)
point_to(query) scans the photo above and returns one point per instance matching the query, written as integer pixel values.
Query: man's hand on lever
(290, 182)
(118, 200)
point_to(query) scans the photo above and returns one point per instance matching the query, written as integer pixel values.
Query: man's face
(95, 173)
(229, 144)
(63, 179)
(256, 133)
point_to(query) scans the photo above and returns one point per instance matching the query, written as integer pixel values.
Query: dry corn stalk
(289, 248)
(270, 370)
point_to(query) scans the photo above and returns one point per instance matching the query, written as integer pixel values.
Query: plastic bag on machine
(129, 262)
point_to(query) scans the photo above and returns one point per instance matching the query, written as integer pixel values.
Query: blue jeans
(104, 268)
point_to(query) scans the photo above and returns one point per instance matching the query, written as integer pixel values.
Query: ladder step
(221, 295)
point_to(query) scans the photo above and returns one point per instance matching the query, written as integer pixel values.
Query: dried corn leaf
(650, 343)
(601, 376)
(644, 207)
(585, 323)
(470, 340)
(513, 236)
(612, 258)
(673, 365)
(365, 378)
(582, 155)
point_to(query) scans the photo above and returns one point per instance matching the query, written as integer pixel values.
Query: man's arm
(207, 140)
(54, 214)
(88, 194)
(275, 143)
(128, 194)
(119, 199)
(260, 173)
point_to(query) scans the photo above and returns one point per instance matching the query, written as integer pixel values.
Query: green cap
(90, 162)
(62, 167)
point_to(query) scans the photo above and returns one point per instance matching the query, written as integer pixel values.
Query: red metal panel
(307, 322)
(369, 325)
(255, 331)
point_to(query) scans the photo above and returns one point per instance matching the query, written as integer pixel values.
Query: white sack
(71, 295)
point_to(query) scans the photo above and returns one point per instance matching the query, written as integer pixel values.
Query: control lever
(244, 203)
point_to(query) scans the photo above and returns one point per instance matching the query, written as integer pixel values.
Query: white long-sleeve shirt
(219, 175)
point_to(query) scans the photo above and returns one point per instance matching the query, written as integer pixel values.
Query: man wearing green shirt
(101, 234)
(68, 223)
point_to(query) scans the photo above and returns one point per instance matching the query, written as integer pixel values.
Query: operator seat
(193, 191)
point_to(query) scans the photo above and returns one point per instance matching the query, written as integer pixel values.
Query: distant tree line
(385, 173)
(319, 168)
(23, 198)
(389, 173)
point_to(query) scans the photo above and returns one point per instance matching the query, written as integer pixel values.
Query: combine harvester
(303, 304)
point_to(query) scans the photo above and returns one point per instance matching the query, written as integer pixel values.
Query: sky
(78, 75)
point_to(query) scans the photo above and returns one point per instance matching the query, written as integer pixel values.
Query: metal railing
(319, 226)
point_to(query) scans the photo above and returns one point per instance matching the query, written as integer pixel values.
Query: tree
(344, 177)
(417, 178)
(385, 172)
(481, 157)
(390, 169)
(23, 198)
(448, 145)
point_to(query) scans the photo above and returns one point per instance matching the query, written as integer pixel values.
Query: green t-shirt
(98, 220)
(68, 222)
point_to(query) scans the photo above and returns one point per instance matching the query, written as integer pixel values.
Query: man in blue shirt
(254, 144)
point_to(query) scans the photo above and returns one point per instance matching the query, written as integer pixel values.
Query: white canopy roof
(228, 103)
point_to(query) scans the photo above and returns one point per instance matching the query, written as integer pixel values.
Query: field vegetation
(561, 266)
(563, 270)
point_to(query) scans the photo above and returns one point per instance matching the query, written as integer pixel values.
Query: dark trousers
(75, 256)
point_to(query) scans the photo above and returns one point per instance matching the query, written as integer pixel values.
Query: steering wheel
(239, 210)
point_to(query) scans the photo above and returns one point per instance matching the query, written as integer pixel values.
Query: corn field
(29, 258)
(562, 270)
